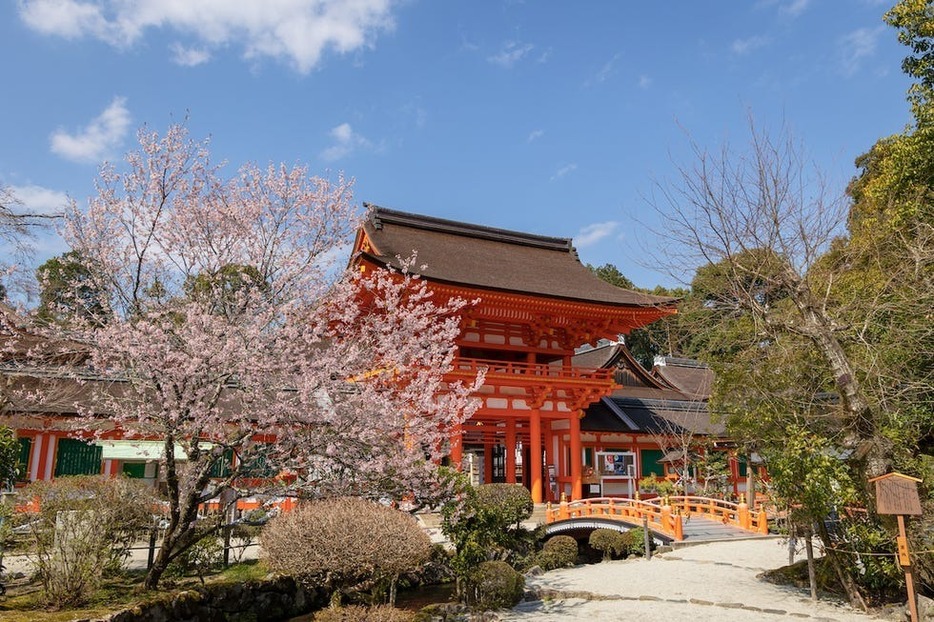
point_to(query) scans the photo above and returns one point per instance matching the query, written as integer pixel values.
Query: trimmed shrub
(356, 613)
(612, 543)
(561, 550)
(494, 585)
(345, 543)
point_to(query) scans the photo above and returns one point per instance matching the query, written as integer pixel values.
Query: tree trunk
(812, 575)
(750, 486)
(849, 586)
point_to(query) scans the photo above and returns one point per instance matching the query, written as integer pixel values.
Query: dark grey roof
(621, 413)
(485, 257)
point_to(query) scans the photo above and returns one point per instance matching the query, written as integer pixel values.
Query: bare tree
(767, 217)
(18, 230)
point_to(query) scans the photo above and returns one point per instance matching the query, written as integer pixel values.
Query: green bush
(199, 559)
(561, 551)
(494, 585)
(356, 613)
(636, 537)
(511, 503)
(613, 544)
(483, 523)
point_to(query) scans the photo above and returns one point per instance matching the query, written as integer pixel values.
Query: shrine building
(537, 304)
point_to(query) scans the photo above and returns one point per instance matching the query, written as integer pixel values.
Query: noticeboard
(897, 494)
(616, 464)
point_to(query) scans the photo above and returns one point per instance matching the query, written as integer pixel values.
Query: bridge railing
(659, 518)
(727, 512)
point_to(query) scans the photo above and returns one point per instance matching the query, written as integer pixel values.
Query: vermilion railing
(659, 518)
(472, 366)
(664, 515)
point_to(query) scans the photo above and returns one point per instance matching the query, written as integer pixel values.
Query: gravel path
(708, 582)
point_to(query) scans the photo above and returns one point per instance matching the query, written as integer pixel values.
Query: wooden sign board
(897, 494)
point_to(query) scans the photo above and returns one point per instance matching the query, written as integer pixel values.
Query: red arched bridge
(669, 518)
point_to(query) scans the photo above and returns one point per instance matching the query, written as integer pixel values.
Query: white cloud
(189, 56)
(38, 200)
(564, 170)
(591, 234)
(795, 7)
(856, 46)
(98, 140)
(744, 46)
(512, 53)
(346, 141)
(299, 31)
(645, 82)
(535, 135)
(608, 69)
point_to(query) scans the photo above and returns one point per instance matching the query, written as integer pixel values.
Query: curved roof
(484, 257)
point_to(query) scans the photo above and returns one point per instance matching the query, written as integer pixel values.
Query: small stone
(698, 601)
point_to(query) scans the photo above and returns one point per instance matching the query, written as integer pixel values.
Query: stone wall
(278, 598)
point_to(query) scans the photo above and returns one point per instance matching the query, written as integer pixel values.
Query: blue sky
(543, 116)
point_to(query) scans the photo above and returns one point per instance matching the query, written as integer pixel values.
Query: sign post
(898, 494)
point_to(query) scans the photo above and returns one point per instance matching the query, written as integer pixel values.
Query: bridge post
(763, 523)
(563, 507)
(666, 525)
(678, 527)
(742, 514)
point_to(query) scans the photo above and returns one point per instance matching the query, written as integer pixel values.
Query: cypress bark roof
(488, 258)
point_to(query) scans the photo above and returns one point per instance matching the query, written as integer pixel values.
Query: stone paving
(715, 581)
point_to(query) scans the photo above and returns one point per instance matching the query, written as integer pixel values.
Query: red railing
(664, 515)
(512, 368)
(659, 518)
(726, 512)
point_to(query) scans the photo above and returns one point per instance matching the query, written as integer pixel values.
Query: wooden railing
(726, 512)
(664, 515)
(512, 368)
(659, 518)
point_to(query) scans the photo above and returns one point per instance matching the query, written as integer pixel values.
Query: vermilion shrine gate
(536, 304)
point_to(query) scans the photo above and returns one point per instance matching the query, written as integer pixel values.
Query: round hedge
(562, 550)
(494, 585)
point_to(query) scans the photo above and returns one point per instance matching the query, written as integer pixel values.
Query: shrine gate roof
(483, 257)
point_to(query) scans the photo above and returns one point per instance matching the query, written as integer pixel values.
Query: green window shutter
(134, 469)
(258, 466)
(650, 462)
(77, 458)
(743, 467)
(25, 447)
(221, 466)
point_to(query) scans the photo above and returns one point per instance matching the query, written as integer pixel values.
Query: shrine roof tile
(488, 258)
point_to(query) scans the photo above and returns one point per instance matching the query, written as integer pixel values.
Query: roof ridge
(380, 215)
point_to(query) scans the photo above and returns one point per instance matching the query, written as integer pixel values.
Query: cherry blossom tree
(226, 330)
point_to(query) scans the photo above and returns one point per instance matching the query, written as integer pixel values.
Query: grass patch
(24, 603)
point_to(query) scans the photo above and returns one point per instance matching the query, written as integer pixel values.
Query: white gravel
(707, 582)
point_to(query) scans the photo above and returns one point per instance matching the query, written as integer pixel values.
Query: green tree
(9, 456)
(659, 337)
(67, 292)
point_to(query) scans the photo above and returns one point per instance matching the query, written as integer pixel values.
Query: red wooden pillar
(549, 455)
(535, 448)
(576, 458)
(457, 448)
(510, 451)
